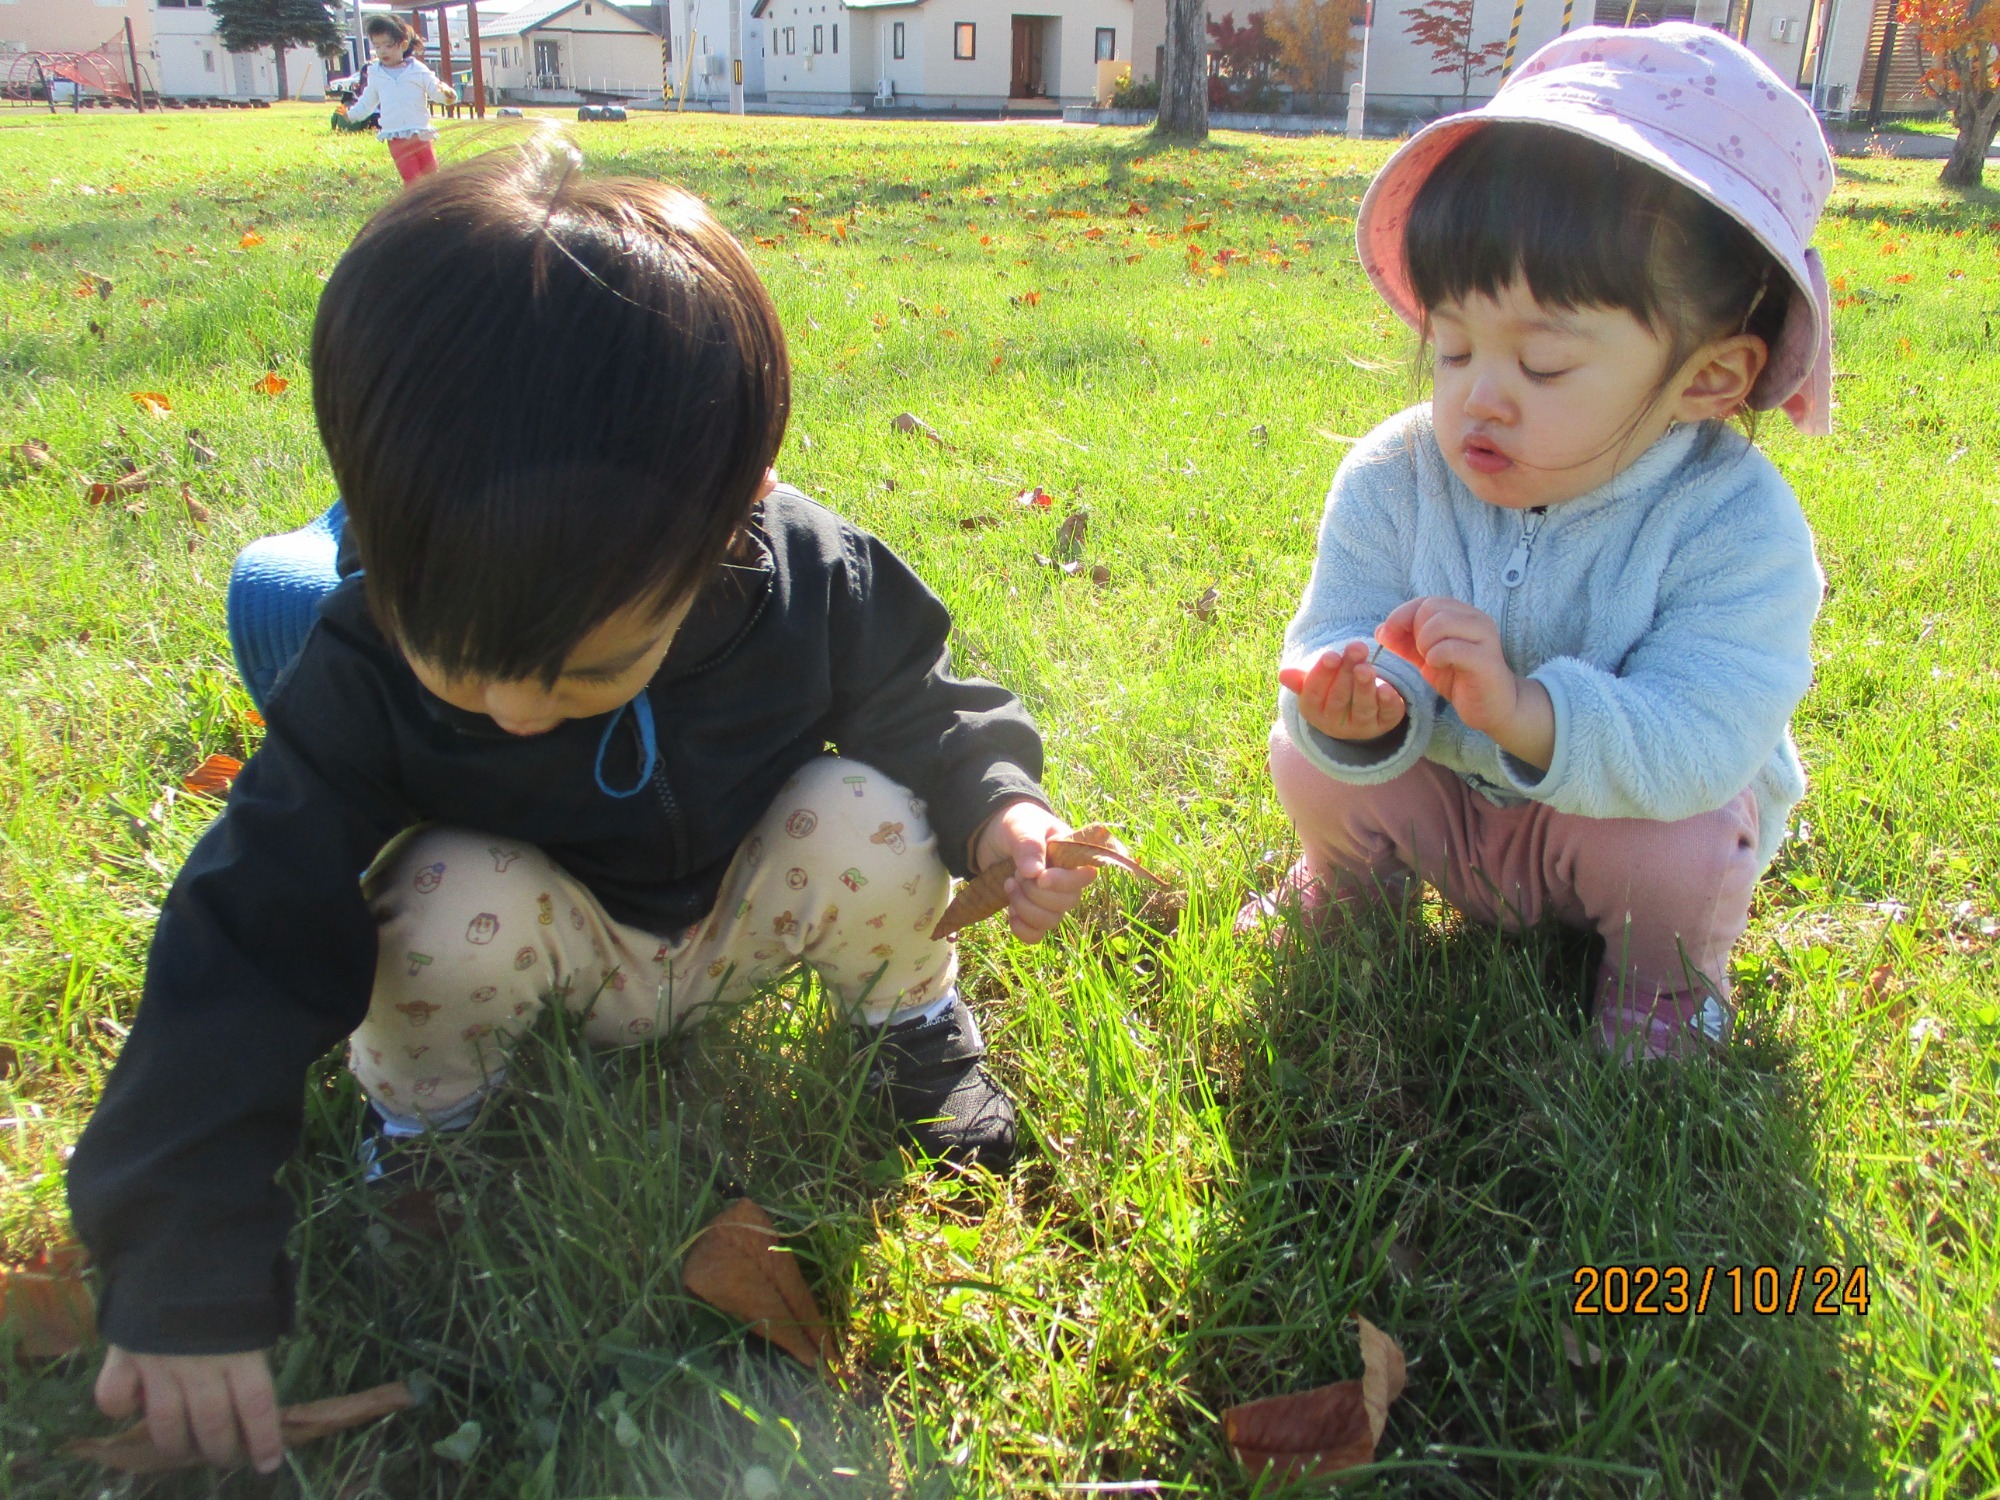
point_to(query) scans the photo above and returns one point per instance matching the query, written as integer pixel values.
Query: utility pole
(1357, 92)
(736, 57)
(132, 52)
(1882, 60)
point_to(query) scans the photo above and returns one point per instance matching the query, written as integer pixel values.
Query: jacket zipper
(1515, 573)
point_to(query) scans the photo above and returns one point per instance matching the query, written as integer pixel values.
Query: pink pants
(1669, 899)
(414, 157)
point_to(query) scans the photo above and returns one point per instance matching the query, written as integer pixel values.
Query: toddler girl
(398, 94)
(1560, 615)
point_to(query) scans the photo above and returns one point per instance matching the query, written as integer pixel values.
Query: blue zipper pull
(642, 714)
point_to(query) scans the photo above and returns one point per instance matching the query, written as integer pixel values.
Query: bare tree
(1184, 79)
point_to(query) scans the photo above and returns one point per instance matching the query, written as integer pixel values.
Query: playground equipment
(82, 80)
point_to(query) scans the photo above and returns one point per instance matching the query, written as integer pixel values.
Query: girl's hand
(1343, 697)
(1457, 648)
(222, 1406)
(1038, 894)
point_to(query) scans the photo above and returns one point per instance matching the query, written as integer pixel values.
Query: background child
(1561, 615)
(588, 674)
(398, 93)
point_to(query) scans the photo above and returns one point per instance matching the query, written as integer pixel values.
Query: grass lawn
(1236, 1152)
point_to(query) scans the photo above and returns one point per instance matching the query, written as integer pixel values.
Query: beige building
(554, 51)
(940, 54)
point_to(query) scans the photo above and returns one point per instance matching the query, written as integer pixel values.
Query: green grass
(1237, 1152)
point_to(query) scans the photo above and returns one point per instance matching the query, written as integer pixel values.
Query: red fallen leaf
(997, 359)
(250, 241)
(737, 1265)
(132, 1451)
(986, 893)
(1196, 226)
(1037, 497)
(273, 384)
(253, 718)
(1321, 1431)
(131, 482)
(93, 285)
(152, 403)
(1135, 210)
(213, 776)
(47, 1311)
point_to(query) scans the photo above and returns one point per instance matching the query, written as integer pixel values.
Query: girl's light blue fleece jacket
(1668, 613)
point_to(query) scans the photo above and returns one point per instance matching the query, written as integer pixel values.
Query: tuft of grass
(1236, 1149)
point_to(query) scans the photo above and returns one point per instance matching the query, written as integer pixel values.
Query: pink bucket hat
(1688, 102)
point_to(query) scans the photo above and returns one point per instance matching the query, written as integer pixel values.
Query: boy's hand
(1343, 697)
(1457, 648)
(1038, 895)
(222, 1406)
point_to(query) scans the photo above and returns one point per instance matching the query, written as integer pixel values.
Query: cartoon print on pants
(576, 919)
(413, 1053)
(502, 858)
(918, 807)
(419, 1012)
(784, 924)
(853, 879)
(418, 962)
(924, 922)
(484, 993)
(857, 782)
(429, 878)
(801, 824)
(795, 878)
(545, 910)
(482, 929)
(525, 959)
(890, 834)
(475, 1031)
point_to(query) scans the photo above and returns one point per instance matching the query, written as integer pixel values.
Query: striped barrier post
(1569, 10)
(1513, 40)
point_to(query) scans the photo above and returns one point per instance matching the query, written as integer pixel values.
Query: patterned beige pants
(477, 934)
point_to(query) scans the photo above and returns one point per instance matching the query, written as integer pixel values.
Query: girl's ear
(1716, 382)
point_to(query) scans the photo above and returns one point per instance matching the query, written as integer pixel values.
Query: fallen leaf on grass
(273, 384)
(197, 512)
(1579, 1353)
(1100, 575)
(1069, 536)
(131, 482)
(152, 403)
(34, 453)
(132, 1451)
(907, 421)
(977, 523)
(213, 776)
(94, 285)
(1037, 497)
(1876, 988)
(986, 893)
(1321, 1431)
(250, 241)
(198, 450)
(737, 1265)
(1202, 607)
(46, 1309)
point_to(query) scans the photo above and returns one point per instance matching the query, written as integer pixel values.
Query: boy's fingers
(256, 1403)
(212, 1420)
(166, 1417)
(118, 1385)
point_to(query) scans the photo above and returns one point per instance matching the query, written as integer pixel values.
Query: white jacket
(400, 97)
(1668, 613)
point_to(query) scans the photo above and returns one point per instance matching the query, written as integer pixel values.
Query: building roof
(514, 20)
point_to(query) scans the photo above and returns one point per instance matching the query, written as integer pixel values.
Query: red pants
(413, 157)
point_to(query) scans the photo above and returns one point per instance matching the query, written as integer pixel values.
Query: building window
(836, 36)
(208, 62)
(819, 39)
(896, 41)
(962, 39)
(586, 10)
(1107, 43)
(791, 42)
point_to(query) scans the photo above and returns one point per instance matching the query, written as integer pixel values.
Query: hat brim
(1385, 214)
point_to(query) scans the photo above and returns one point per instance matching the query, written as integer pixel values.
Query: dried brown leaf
(1202, 607)
(736, 1264)
(1325, 1430)
(47, 1312)
(1100, 575)
(909, 421)
(1070, 535)
(132, 1451)
(986, 893)
(198, 450)
(977, 523)
(197, 512)
(34, 453)
(1578, 1352)
(212, 778)
(152, 403)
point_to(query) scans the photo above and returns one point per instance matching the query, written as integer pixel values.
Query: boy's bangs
(1574, 220)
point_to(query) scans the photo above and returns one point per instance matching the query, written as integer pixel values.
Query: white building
(940, 54)
(554, 51)
(699, 42)
(191, 62)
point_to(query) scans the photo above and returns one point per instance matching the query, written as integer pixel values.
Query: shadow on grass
(528, 1280)
(1427, 1139)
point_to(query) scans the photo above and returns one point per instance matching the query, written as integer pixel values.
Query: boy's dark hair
(1587, 226)
(546, 398)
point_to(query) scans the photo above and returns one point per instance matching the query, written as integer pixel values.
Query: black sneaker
(930, 1072)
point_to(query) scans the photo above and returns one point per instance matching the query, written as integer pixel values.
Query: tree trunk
(1966, 167)
(278, 56)
(1184, 81)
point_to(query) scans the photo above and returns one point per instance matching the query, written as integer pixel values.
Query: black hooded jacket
(264, 955)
